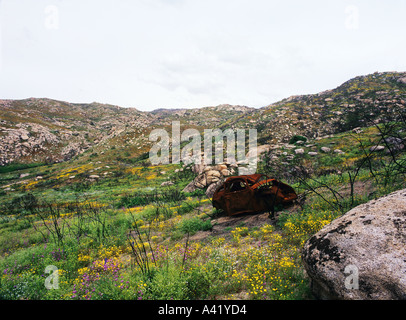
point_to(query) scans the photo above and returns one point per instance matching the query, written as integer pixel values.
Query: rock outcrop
(46, 130)
(361, 255)
(210, 176)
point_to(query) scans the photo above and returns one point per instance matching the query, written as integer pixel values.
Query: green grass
(192, 225)
(19, 166)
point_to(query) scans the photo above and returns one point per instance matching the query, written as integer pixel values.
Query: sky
(151, 54)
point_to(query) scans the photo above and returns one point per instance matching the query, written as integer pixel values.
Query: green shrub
(194, 224)
(26, 286)
(296, 138)
(18, 166)
(167, 284)
(198, 284)
(143, 199)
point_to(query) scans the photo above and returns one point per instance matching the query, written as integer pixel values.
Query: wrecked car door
(238, 196)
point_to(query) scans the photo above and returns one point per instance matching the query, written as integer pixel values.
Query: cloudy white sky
(152, 54)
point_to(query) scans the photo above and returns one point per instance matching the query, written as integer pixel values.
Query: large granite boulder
(362, 254)
(210, 177)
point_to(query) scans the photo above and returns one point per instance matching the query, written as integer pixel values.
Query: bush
(167, 284)
(193, 225)
(198, 284)
(297, 138)
(143, 199)
(18, 166)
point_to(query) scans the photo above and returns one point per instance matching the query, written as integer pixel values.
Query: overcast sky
(152, 54)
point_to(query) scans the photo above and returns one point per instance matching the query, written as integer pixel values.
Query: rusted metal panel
(252, 194)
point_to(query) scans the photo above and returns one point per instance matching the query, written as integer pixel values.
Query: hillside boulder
(190, 187)
(362, 254)
(402, 80)
(213, 176)
(210, 177)
(395, 144)
(201, 181)
(212, 188)
(167, 184)
(376, 148)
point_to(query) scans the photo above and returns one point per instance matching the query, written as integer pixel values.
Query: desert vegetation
(116, 227)
(109, 242)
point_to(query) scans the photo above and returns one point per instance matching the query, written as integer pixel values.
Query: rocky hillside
(45, 130)
(208, 117)
(373, 97)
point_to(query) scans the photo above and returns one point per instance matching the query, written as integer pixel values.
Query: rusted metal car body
(252, 194)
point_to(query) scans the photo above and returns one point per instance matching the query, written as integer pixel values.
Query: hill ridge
(49, 130)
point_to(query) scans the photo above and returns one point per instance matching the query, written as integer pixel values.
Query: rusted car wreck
(252, 194)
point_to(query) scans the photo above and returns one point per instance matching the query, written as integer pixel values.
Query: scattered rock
(210, 176)
(212, 188)
(190, 187)
(213, 173)
(225, 172)
(23, 175)
(393, 140)
(376, 148)
(402, 80)
(212, 179)
(198, 168)
(201, 181)
(213, 176)
(207, 168)
(299, 151)
(94, 176)
(339, 151)
(166, 183)
(69, 153)
(261, 149)
(395, 144)
(311, 153)
(220, 167)
(325, 149)
(361, 255)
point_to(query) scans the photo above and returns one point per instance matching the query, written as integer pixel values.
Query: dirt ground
(222, 225)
